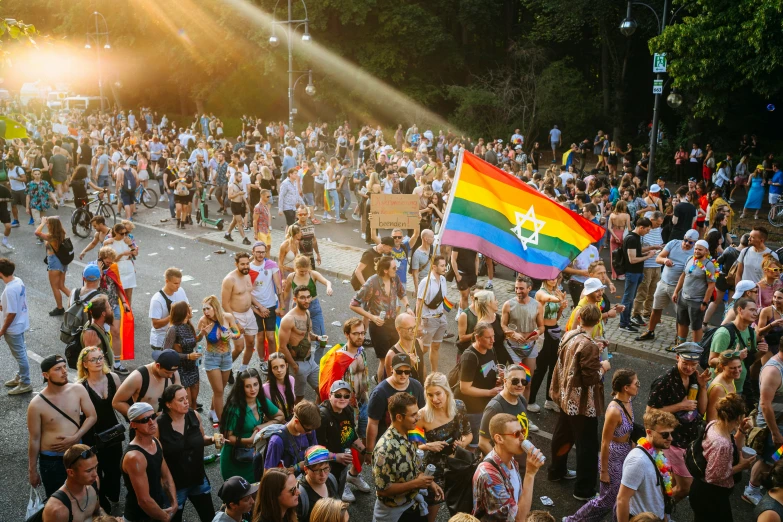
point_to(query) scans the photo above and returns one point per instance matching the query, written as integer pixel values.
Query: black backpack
(74, 320)
(65, 252)
(618, 263)
(128, 181)
(706, 342)
(696, 462)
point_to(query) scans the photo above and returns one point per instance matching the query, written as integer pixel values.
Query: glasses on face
(664, 434)
(397, 237)
(409, 329)
(402, 372)
(774, 269)
(341, 396)
(146, 420)
(360, 334)
(688, 242)
(516, 434)
(516, 381)
(294, 491)
(95, 359)
(324, 470)
(753, 291)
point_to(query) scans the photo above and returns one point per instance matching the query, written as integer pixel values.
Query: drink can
(430, 470)
(693, 392)
(218, 438)
(348, 451)
(382, 315)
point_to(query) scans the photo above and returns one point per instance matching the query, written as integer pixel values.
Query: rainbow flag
(527, 372)
(494, 213)
(416, 436)
(277, 338)
(328, 202)
(779, 453)
(447, 305)
(332, 367)
(127, 326)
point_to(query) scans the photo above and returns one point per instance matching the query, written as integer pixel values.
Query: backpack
(74, 347)
(261, 445)
(617, 261)
(128, 181)
(65, 252)
(695, 460)
(63, 498)
(73, 319)
(706, 342)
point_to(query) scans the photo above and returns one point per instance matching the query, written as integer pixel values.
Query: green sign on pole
(657, 86)
(659, 63)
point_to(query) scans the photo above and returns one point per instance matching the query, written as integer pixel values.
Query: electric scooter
(202, 213)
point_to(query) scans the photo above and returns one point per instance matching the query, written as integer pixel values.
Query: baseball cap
(692, 235)
(401, 359)
(168, 359)
(689, 351)
(51, 361)
(138, 409)
(339, 385)
(316, 455)
(655, 187)
(742, 287)
(592, 285)
(132, 162)
(235, 489)
(693, 180)
(91, 272)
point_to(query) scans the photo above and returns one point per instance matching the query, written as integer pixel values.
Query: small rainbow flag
(527, 372)
(775, 456)
(494, 213)
(328, 202)
(416, 436)
(447, 305)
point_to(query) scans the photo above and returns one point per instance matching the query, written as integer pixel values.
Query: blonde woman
(218, 328)
(329, 510)
(443, 418)
(101, 385)
(289, 249)
(728, 371)
(486, 305)
(554, 302)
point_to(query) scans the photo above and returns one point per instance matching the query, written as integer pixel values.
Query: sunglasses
(516, 434)
(341, 396)
(732, 355)
(774, 269)
(664, 434)
(294, 491)
(397, 237)
(401, 372)
(516, 381)
(95, 359)
(86, 454)
(688, 242)
(146, 420)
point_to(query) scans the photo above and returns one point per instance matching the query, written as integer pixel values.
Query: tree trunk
(605, 67)
(200, 106)
(619, 98)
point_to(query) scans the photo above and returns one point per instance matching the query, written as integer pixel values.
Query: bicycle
(775, 216)
(146, 196)
(80, 219)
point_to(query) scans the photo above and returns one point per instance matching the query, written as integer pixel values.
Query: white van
(85, 103)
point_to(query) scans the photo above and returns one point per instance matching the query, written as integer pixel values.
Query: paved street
(161, 246)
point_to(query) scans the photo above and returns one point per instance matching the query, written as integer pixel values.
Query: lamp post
(100, 39)
(627, 28)
(292, 25)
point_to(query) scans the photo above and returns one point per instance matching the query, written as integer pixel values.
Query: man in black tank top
(147, 477)
(77, 499)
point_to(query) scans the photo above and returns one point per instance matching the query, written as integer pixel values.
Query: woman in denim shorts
(54, 240)
(218, 328)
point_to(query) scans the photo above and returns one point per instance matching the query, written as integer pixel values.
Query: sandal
(671, 348)
(315, 221)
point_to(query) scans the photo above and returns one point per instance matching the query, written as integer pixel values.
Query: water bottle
(210, 459)
(529, 447)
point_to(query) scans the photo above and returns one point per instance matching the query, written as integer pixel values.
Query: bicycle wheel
(108, 213)
(775, 216)
(149, 198)
(80, 222)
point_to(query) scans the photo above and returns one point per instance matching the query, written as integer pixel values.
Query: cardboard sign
(394, 221)
(394, 211)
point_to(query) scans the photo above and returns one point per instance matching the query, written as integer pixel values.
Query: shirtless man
(161, 373)
(99, 225)
(237, 299)
(53, 424)
(296, 334)
(81, 465)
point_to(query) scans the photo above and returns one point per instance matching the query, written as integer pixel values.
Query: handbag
(243, 455)
(637, 431)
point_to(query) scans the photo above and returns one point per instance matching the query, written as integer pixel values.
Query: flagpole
(453, 191)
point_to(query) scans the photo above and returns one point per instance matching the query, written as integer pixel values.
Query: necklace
(77, 500)
(661, 462)
(698, 263)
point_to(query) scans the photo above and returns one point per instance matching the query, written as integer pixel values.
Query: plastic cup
(748, 452)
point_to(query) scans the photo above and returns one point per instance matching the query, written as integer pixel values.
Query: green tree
(725, 47)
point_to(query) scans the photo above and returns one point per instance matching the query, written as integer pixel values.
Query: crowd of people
(413, 415)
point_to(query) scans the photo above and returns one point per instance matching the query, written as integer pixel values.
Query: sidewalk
(339, 262)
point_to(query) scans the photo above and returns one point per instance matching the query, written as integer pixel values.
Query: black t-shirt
(466, 261)
(684, 212)
(85, 156)
(498, 404)
(313, 497)
(633, 241)
(337, 430)
(378, 407)
(368, 259)
(480, 370)
(184, 453)
(5, 196)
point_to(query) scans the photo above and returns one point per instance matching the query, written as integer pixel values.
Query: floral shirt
(262, 214)
(666, 390)
(493, 493)
(221, 177)
(395, 462)
(109, 288)
(374, 299)
(39, 194)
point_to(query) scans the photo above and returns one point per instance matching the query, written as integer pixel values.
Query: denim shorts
(184, 493)
(217, 361)
(103, 181)
(309, 199)
(54, 264)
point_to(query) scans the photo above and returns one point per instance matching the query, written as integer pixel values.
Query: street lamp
(99, 37)
(674, 99)
(292, 25)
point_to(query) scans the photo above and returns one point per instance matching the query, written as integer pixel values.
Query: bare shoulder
(56, 511)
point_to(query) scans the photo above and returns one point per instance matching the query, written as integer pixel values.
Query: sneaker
(21, 389)
(15, 223)
(731, 201)
(213, 416)
(630, 328)
(231, 378)
(228, 237)
(120, 369)
(245, 241)
(532, 427)
(752, 495)
(315, 221)
(356, 217)
(551, 405)
(348, 495)
(448, 335)
(570, 475)
(341, 221)
(584, 499)
(31, 222)
(646, 336)
(13, 383)
(358, 482)
(488, 286)
(638, 321)
(533, 408)
(57, 311)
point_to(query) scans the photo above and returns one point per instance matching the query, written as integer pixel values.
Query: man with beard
(693, 291)
(237, 299)
(265, 277)
(94, 333)
(296, 336)
(53, 424)
(640, 488)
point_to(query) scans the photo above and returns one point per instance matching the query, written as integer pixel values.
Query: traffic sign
(659, 63)
(657, 86)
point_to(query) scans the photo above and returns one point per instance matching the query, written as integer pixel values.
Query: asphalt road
(161, 247)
